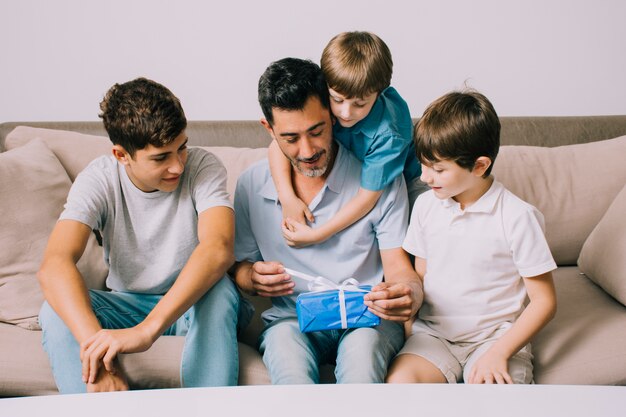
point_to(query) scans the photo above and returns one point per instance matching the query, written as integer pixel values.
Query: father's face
(304, 136)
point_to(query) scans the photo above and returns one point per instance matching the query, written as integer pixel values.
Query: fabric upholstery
(74, 150)
(568, 184)
(236, 160)
(584, 342)
(603, 256)
(33, 185)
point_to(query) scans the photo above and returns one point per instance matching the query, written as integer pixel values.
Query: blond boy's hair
(357, 64)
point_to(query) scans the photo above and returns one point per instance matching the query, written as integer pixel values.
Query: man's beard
(312, 172)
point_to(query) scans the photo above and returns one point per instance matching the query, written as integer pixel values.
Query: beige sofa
(571, 168)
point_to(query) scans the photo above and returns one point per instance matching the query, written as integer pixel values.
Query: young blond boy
(480, 251)
(371, 120)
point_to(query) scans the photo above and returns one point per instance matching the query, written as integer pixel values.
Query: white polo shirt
(475, 259)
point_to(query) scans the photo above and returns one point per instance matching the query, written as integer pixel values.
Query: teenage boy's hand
(104, 346)
(108, 382)
(393, 301)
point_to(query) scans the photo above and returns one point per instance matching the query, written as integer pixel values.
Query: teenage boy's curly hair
(357, 64)
(142, 112)
(460, 126)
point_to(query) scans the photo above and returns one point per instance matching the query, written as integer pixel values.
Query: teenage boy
(167, 228)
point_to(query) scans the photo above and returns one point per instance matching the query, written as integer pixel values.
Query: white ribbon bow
(318, 284)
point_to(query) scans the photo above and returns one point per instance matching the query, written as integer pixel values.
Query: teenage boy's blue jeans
(361, 355)
(210, 355)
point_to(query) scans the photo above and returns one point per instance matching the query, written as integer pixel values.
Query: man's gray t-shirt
(147, 237)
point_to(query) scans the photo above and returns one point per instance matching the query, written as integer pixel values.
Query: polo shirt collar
(485, 203)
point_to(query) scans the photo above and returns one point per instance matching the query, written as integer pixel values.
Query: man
(168, 230)
(295, 102)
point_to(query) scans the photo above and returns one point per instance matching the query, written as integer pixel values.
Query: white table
(427, 400)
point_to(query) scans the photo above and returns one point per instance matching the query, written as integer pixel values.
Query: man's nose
(306, 148)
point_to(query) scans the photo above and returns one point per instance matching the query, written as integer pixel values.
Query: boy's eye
(336, 99)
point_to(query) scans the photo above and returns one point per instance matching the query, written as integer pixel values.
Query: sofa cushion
(34, 186)
(571, 185)
(603, 256)
(74, 150)
(584, 343)
(236, 160)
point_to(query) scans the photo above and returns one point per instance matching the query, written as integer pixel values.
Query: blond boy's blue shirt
(383, 141)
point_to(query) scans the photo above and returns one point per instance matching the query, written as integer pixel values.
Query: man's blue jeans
(361, 355)
(210, 356)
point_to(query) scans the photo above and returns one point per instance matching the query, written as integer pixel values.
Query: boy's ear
(120, 154)
(481, 165)
(268, 127)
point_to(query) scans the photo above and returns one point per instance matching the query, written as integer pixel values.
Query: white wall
(531, 57)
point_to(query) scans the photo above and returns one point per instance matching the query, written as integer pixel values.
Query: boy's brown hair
(142, 112)
(459, 126)
(357, 64)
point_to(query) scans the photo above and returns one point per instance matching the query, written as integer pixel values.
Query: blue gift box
(322, 310)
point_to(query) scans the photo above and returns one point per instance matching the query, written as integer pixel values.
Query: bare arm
(61, 282)
(302, 235)
(402, 294)
(206, 265)
(280, 167)
(65, 290)
(492, 366)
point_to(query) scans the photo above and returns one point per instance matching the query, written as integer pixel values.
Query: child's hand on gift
(270, 280)
(393, 301)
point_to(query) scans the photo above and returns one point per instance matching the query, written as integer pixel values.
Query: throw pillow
(603, 257)
(571, 185)
(33, 186)
(74, 150)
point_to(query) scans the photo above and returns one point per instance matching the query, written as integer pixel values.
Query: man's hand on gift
(394, 301)
(270, 280)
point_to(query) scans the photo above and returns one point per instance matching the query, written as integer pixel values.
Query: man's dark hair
(288, 83)
(460, 126)
(142, 112)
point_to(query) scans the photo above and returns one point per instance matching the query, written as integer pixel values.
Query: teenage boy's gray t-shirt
(147, 237)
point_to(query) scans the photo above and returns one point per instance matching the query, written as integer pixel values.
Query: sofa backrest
(529, 131)
(571, 185)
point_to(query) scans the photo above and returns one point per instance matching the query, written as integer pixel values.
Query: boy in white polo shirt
(480, 251)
